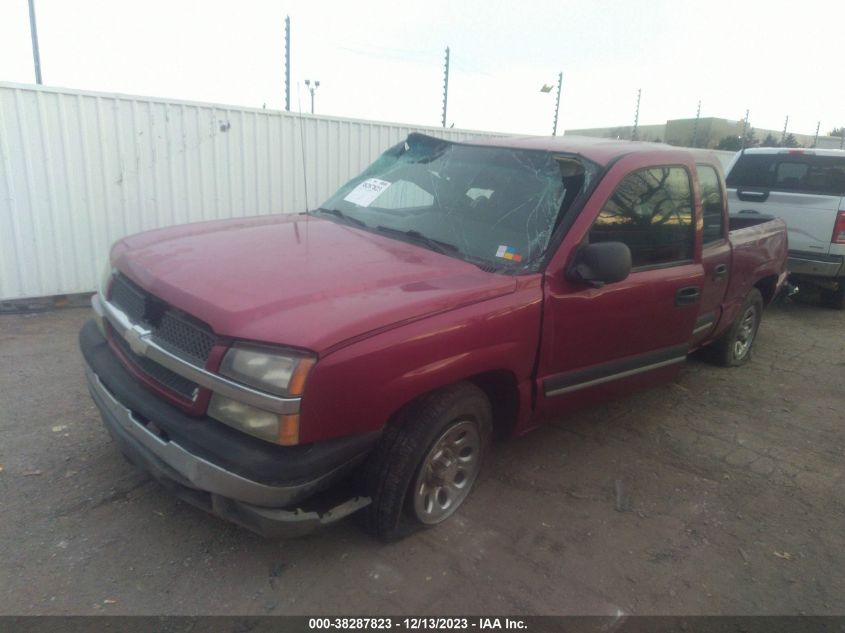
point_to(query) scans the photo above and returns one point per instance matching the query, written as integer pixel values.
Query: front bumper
(285, 501)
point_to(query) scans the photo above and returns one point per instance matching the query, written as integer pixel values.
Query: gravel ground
(721, 493)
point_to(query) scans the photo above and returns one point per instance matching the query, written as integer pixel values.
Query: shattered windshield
(489, 205)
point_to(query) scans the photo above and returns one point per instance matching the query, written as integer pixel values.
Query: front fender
(359, 387)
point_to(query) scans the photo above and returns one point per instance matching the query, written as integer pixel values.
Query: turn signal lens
(297, 381)
(289, 430)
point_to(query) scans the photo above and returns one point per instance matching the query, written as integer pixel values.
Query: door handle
(687, 296)
(719, 271)
(752, 196)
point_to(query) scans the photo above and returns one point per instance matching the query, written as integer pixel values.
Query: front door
(602, 342)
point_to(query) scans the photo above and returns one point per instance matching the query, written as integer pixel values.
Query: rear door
(801, 187)
(715, 251)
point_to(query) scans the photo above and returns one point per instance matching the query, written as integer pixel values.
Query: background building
(709, 132)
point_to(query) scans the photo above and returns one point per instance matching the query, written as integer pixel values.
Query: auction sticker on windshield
(509, 253)
(364, 194)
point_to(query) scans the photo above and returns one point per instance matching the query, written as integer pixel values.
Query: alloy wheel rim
(746, 332)
(447, 473)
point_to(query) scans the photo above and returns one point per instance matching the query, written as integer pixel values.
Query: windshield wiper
(340, 214)
(445, 248)
(416, 236)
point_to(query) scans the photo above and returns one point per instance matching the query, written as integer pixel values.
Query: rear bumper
(815, 265)
(292, 502)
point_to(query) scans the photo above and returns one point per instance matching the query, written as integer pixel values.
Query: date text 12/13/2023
(415, 624)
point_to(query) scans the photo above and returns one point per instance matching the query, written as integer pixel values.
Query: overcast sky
(384, 60)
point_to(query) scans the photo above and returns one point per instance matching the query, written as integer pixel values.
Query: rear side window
(801, 173)
(790, 174)
(711, 203)
(651, 212)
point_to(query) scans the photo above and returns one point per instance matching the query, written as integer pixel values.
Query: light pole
(695, 127)
(744, 132)
(287, 63)
(445, 87)
(557, 102)
(33, 32)
(312, 88)
(547, 88)
(637, 116)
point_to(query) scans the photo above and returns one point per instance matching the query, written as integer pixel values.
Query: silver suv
(805, 187)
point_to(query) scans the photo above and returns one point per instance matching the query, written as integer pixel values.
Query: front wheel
(427, 461)
(734, 347)
(447, 473)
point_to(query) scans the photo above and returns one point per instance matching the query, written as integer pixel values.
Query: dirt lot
(720, 493)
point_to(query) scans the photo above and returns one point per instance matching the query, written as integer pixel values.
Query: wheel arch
(501, 389)
(767, 287)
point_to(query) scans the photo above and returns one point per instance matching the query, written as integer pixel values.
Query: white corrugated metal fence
(79, 170)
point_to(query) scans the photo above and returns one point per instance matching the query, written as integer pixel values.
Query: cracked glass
(493, 206)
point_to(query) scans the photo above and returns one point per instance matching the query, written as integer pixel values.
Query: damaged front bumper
(273, 508)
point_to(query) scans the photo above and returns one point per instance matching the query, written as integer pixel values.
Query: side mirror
(601, 263)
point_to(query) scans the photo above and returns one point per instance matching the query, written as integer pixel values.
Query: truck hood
(298, 280)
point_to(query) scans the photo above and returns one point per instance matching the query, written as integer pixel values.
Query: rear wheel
(427, 461)
(734, 347)
(830, 298)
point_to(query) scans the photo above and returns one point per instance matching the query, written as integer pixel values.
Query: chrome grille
(178, 334)
(160, 374)
(129, 298)
(174, 330)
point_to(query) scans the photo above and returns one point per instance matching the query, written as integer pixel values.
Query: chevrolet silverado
(286, 371)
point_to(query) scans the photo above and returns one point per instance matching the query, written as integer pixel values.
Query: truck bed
(759, 246)
(738, 221)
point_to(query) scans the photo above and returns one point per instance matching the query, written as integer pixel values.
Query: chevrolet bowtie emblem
(136, 336)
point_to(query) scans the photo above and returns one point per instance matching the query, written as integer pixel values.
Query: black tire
(727, 350)
(835, 299)
(397, 460)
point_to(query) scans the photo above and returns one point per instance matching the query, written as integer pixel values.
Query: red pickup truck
(286, 371)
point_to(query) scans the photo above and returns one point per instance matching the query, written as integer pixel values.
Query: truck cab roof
(601, 151)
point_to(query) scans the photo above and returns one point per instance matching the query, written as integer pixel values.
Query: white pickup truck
(806, 188)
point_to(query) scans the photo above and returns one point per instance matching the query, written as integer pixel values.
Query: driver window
(651, 212)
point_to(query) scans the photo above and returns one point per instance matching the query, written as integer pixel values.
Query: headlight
(280, 429)
(267, 369)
